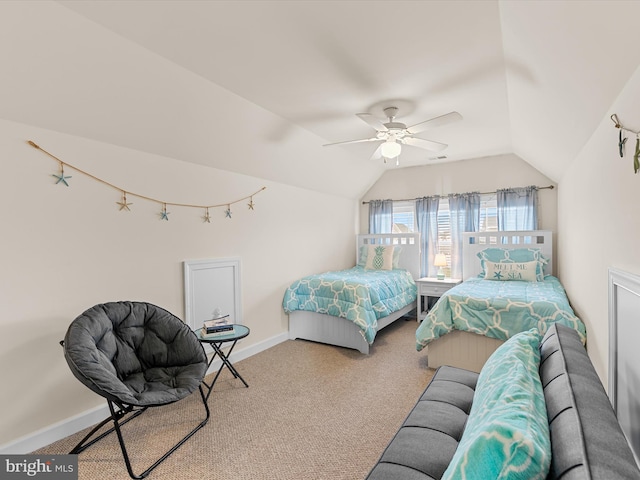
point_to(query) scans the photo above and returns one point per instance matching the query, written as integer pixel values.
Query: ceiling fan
(393, 134)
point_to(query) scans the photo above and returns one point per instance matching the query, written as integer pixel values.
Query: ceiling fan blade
(377, 155)
(435, 122)
(372, 121)
(426, 144)
(372, 139)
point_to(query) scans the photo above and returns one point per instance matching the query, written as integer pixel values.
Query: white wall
(65, 249)
(134, 119)
(480, 174)
(68, 74)
(599, 221)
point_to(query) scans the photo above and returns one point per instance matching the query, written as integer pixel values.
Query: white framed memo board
(624, 359)
(210, 284)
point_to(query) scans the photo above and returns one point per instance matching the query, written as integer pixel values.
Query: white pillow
(506, 271)
(379, 257)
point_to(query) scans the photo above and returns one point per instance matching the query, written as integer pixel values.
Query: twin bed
(468, 322)
(347, 308)
(474, 318)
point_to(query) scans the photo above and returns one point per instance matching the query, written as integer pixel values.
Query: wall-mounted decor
(126, 206)
(622, 140)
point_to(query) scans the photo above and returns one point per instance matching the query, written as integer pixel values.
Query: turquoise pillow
(513, 255)
(362, 255)
(507, 433)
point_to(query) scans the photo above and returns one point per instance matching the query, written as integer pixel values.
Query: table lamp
(440, 261)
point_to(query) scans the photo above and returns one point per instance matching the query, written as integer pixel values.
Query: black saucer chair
(135, 355)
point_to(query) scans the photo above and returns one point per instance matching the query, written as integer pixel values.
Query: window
(404, 221)
(404, 217)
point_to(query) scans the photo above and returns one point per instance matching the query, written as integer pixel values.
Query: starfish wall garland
(124, 204)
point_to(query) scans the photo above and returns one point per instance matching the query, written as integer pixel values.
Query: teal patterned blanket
(359, 295)
(499, 310)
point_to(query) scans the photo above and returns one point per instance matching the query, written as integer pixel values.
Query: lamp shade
(390, 149)
(440, 260)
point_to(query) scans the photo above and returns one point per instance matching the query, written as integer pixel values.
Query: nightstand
(432, 287)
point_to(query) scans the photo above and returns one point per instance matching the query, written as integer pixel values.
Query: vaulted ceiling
(533, 78)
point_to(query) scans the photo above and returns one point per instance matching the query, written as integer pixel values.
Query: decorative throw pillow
(513, 255)
(379, 257)
(396, 256)
(362, 255)
(524, 271)
(364, 249)
(507, 432)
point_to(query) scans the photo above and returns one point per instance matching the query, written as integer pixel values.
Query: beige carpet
(311, 411)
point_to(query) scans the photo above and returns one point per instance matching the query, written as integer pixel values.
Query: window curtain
(517, 208)
(427, 221)
(464, 213)
(380, 216)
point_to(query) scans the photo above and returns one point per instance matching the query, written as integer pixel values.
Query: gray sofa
(586, 439)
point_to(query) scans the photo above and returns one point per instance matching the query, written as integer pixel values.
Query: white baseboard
(69, 426)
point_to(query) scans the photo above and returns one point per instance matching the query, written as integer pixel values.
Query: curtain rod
(549, 187)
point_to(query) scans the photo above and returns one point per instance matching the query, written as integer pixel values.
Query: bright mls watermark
(50, 467)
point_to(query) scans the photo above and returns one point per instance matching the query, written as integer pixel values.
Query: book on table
(216, 325)
(216, 334)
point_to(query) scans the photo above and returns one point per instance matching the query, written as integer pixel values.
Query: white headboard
(409, 255)
(474, 242)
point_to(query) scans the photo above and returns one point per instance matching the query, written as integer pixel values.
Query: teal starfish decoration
(250, 204)
(61, 178)
(164, 215)
(207, 217)
(497, 275)
(227, 212)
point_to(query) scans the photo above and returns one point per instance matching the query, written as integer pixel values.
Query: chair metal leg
(116, 415)
(82, 446)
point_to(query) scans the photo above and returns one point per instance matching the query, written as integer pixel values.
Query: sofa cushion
(428, 438)
(586, 439)
(507, 435)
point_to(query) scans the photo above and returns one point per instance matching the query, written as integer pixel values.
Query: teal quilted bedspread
(499, 310)
(359, 295)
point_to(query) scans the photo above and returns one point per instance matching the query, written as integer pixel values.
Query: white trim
(205, 289)
(57, 431)
(624, 308)
(69, 426)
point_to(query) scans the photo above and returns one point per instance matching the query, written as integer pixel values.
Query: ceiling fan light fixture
(390, 149)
